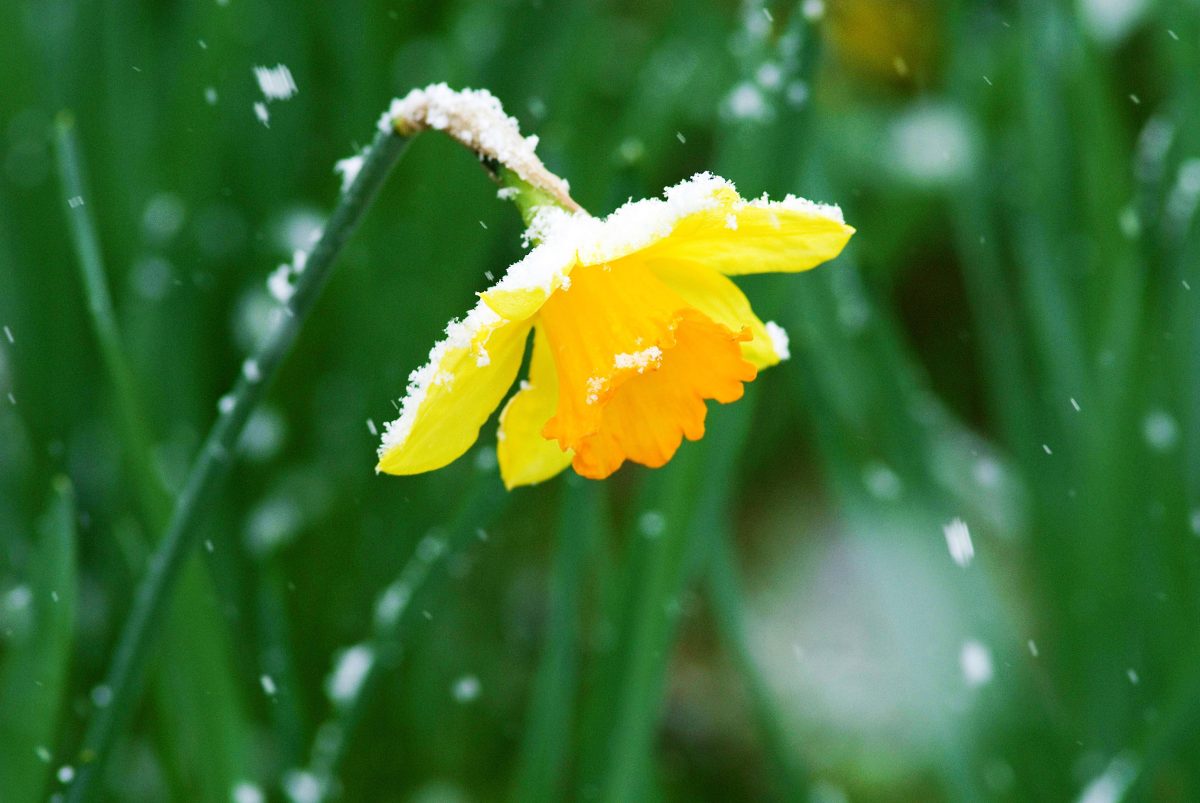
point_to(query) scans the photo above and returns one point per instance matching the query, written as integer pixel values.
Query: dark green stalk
(694, 491)
(541, 772)
(212, 464)
(787, 770)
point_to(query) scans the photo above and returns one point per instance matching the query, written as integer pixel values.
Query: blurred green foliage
(1012, 338)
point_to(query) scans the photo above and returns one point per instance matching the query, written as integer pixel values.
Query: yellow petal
(515, 305)
(720, 299)
(451, 397)
(526, 456)
(757, 237)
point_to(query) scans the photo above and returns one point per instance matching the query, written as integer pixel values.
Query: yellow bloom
(635, 324)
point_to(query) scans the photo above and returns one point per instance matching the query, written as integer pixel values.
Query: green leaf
(33, 676)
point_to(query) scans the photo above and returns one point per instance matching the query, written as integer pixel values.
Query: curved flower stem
(212, 464)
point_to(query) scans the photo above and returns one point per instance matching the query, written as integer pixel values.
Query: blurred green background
(1012, 339)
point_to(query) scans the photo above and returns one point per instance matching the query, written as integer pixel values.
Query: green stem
(695, 490)
(212, 464)
(725, 595)
(541, 773)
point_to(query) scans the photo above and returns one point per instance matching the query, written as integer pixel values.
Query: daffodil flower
(635, 325)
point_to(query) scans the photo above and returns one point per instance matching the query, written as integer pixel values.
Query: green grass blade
(152, 496)
(204, 726)
(212, 465)
(671, 540)
(545, 750)
(34, 672)
(788, 773)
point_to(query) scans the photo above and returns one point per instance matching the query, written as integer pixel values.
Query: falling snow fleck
(374, 430)
(1130, 222)
(652, 523)
(349, 673)
(768, 75)
(225, 404)
(208, 546)
(466, 689)
(1075, 404)
(101, 696)
(1110, 786)
(260, 111)
(797, 93)
(1160, 430)
(210, 95)
(1046, 448)
(746, 102)
(975, 660)
(43, 754)
(1133, 676)
(8, 334)
(882, 482)
(813, 10)
(66, 773)
(246, 792)
(679, 136)
(430, 548)
(986, 472)
(75, 202)
(1033, 648)
(958, 541)
(275, 82)
(301, 786)
(251, 371)
(268, 685)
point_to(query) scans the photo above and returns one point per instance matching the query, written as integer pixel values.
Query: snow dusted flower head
(635, 325)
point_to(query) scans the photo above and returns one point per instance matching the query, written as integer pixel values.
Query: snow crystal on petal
(476, 118)
(639, 360)
(779, 340)
(565, 239)
(795, 204)
(471, 332)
